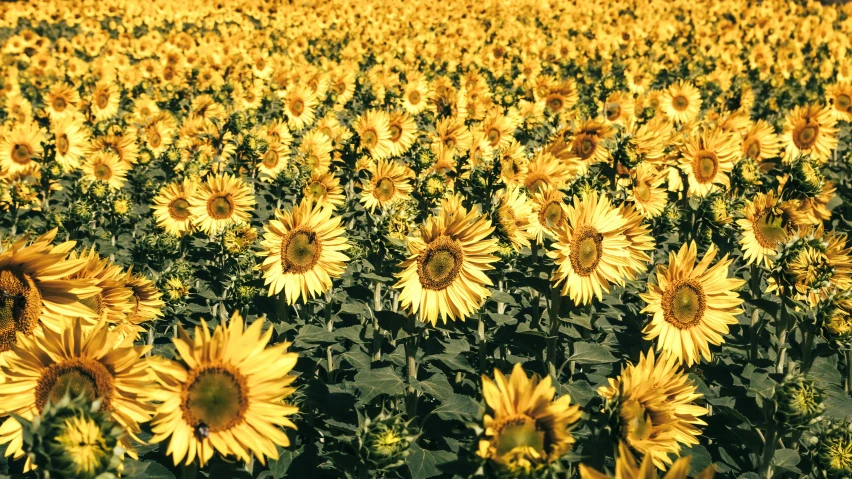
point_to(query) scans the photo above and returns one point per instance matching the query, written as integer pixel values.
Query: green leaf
(503, 297)
(591, 353)
(424, 463)
(786, 460)
(278, 467)
(311, 334)
(700, 458)
(458, 407)
(145, 470)
(436, 386)
(372, 382)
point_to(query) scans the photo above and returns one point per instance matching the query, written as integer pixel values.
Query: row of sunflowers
(337, 238)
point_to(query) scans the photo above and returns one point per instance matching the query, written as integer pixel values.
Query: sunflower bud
(72, 438)
(835, 316)
(805, 180)
(834, 453)
(385, 441)
(82, 212)
(800, 401)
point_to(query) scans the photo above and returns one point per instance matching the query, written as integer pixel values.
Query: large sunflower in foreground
(444, 275)
(224, 394)
(592, 251)
(764, 226)
(96, 364)
(525, 428)
(811, 130)
(707, 159)
(693, 304)
(390, 181)
(171, 207)
(652, 401)
(304, 251)
(221, 201)
(681, 102)
(33, 287)
(627, 467)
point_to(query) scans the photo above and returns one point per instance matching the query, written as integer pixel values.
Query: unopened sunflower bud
(800, 401)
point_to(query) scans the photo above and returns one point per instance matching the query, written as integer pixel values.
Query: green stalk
(482, 349)
(848, 355)
(553, 334)
(411, 366)
(189, 471)
(807, 350)
(377, 334)
(769, 450)
(782, 339)
(329, 324)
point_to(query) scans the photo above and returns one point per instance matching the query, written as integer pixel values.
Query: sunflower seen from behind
(525, 427)
(303, 250)
(221, 200)
(693, 305)
(653, 410)
(93, 362)
(444, 275)
(224, 393)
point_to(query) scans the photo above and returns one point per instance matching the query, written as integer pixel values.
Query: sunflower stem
(189, 471)
(481, 336)
(782, 339)
(377, 333)
(553, 335)
(411, 366)
(769, 450)
(848, 355)
(807, 350)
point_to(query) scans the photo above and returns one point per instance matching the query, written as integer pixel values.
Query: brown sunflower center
(396, 133)
(59, 104)
(586, 146)
(805, 136)
(769, 230)
(552, 214)
(179, 209)
(636, 420)
(96, 303)
(102, 100)
(300, 251)
(493, 136)
(20, 306)
(220, 206)
(385, 189)
(440, 264)
(270, 158)
(75, 376)
(414, 97)
(537, 185)
(21, 154)
(297, 107)
(705, 165)
(450, 142)
(370, 138)
(752, 148)
(642, 192)
(680, 102)
(214, 398)
(518, 431)
(316, 190)
(843, 102)
(62, 145)
(555, 103)
(102, 172)
(684, 303)
(613, 111)
(586, 250)
(155, 139)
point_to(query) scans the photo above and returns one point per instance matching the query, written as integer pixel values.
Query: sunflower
(618, 108)
(761, 143)
(304, 251)
(34, 286)
(274, 160)
(105, 100)
(681, 102)
(220, 201)
(171, 207)
(810, 130)
(444, 274)
(107, 167)
(224, 393)
(839, 96)
(61, 101)
(453, 135)
(160, 134)
(115, 300)
(648, 194)
(415, 97)
(627, 467)
(315, 151)
(373, 128)
(693, 305)
(389, 182)
(324, 188)
(403, 133)
(95, 363)
(592, 251)
(549, 214)
(707, 158)
(122, 144)
(72, 143)
(515, 217)
(525, 428)
(299, 104)
(147, 298)
(587, 144)
(765, 225)
(561, 97)
(20, 148)
(206, 108)
(498, 130)
(513, 163)
(653, 400)
(545, 171)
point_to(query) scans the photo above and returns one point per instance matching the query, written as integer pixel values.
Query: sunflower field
(417, 239)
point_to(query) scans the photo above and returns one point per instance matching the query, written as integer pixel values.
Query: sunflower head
(834, 450)
(800, 401)
(20, 305)
(73, 438)
(806, 179)
(385, 440)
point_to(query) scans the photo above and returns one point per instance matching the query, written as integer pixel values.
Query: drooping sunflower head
(525, 427)
(652, 406)
(219, 396)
